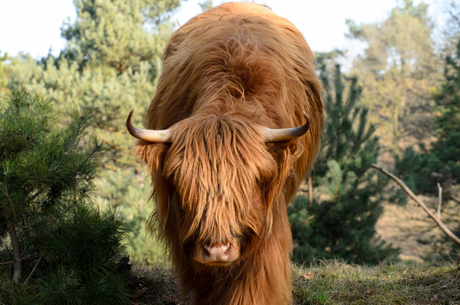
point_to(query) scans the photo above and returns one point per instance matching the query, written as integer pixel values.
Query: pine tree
(55, 246)
(340, 222)
(109, 66)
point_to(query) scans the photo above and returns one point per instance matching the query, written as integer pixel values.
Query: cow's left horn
(286, 134)
(154, 136)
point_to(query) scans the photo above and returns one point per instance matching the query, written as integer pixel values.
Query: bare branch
(31, 257)
(442, 226)
(87, 158)
(9, 199)
(32, 272)
(54, 169)
(35, 195)
(17, 264)
(27, 258)
(310, 192)
(438, 211)
(23, 139)
(8, 263)
(12, 205)
(6, 141)
(117, 148)
(44, 138)
(38, 130)
(62, 213)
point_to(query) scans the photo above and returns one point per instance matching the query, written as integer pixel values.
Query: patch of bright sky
(33, 26)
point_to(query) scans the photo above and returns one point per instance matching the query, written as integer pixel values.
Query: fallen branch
(442, 226)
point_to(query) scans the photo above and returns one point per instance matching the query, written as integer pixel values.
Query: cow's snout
(221, 254)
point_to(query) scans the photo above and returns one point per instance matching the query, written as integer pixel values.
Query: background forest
(397, 105)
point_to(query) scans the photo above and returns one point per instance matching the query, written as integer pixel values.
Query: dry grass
(331, 283)
(400, 283)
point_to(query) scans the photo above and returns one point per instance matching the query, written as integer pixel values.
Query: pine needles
(55, 246)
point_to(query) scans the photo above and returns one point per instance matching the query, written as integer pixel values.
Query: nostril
(206, 251)
(225, 250)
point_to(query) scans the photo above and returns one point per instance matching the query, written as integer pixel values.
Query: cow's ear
(286, 154)
(151, 154)
(281, 184)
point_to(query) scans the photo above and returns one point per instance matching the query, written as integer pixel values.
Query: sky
(33, 26)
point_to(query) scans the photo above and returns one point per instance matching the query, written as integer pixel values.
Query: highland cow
(227, 144)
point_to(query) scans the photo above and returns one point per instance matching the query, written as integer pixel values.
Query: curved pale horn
(154, 136)
(286, 134)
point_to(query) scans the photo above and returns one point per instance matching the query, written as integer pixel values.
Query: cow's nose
(218, 254)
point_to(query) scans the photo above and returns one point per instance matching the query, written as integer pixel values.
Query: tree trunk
(17, 262)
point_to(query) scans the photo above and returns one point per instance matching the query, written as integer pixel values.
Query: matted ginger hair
(226, 73)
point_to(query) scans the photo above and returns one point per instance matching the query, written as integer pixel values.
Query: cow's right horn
(286, 134)
(154, 136)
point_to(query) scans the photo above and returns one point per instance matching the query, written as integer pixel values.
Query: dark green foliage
(421, 171)
(347, 135)
(62, 250)
(110, 65)
(340, 222)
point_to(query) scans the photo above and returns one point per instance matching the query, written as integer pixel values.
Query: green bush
(55, 246)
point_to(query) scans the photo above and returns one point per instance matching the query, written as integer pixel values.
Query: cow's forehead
(218, 147)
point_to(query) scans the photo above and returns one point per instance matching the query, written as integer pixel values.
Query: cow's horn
(155, 136)
(286, 134)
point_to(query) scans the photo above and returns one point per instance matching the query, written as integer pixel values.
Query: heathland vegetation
(398, 105)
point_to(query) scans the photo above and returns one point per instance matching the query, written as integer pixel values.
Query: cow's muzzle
(222, 254)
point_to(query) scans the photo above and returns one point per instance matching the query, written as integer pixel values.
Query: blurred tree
(3, 76)
(61, 249)
(421, 171)
(109, 66)
(340, 222)
(450, 29)
(118, 35)
(206, 5)
(396, 71)
(110, 63)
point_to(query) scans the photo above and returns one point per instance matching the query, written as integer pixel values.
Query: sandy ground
(411, 229)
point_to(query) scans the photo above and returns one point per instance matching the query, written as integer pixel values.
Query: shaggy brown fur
(226, 73)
